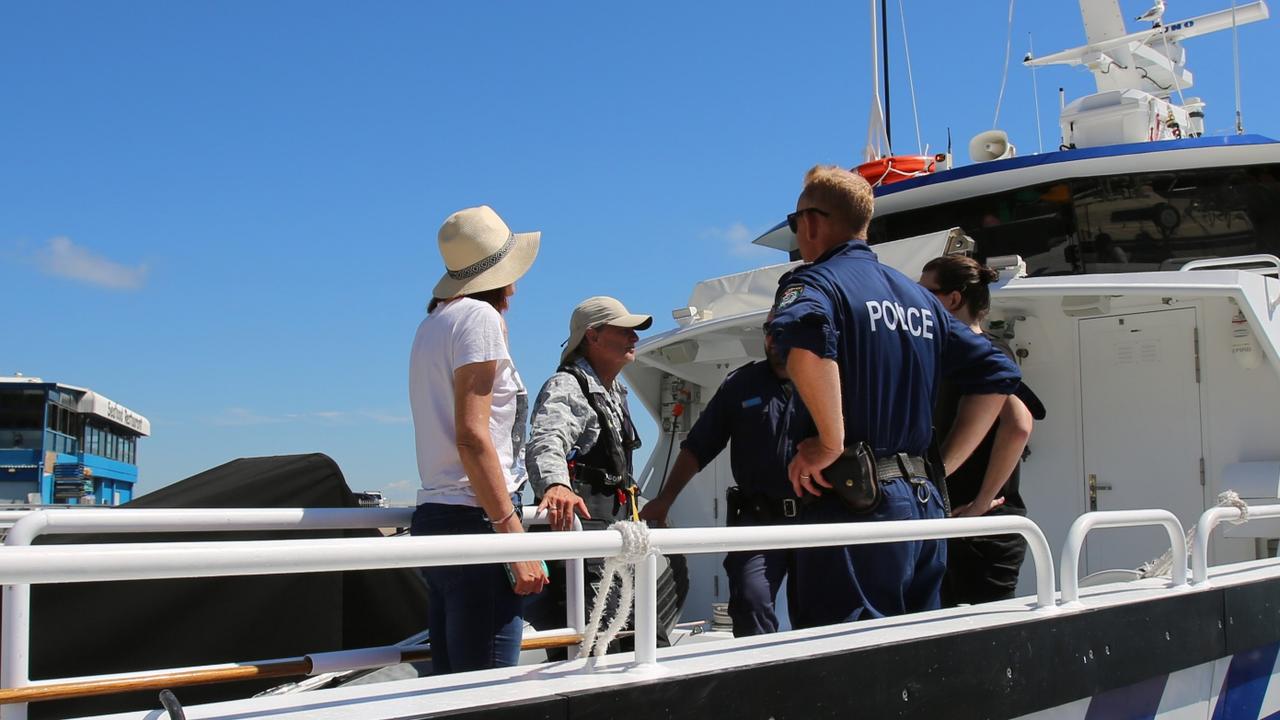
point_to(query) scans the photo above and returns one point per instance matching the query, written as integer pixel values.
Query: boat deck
(1004, 659)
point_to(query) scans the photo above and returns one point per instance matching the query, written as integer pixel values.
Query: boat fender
(170, 703)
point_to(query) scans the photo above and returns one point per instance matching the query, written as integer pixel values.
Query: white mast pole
(876, 141)
(1035, 94)
(1235, 57)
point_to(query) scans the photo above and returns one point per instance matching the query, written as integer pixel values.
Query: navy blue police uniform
(893, 342)
(751, 412)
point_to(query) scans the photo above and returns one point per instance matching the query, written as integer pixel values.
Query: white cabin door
(1140, 418)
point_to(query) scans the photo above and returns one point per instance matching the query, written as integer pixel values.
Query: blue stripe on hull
(1246, 684)
(1139, 701)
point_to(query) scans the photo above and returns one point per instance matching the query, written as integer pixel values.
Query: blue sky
(223, 215)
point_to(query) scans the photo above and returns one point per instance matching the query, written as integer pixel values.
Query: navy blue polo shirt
(751, 412)
(892, 340)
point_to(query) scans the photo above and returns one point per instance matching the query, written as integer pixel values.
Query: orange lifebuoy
(895, 168)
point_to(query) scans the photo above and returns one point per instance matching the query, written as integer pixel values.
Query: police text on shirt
(917, 321)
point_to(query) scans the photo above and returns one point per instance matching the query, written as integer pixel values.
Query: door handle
(1094, 488)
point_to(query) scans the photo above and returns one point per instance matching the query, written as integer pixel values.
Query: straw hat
(481, 253)
(597, 311)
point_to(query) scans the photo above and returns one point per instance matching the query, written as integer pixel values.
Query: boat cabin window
(1119, 223)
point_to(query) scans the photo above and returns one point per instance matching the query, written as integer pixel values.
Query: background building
(61, 444)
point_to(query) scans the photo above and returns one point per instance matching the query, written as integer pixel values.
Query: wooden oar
(286, 667)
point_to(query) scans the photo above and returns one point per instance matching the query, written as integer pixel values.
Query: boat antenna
(1235, 57)
(1008, 46)
(911, 81)
(1035, 92)
(1172, 67)
(884, 48)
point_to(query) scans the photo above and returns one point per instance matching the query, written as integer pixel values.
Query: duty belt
(772, 509)
(901, 465)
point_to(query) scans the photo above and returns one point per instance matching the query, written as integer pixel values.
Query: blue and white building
(65, 445)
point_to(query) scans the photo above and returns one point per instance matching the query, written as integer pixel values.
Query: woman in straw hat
(469, 412)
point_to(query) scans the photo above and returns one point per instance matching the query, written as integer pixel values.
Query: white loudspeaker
(991, 145)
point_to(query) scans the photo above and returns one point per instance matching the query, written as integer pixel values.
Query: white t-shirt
(459, 333)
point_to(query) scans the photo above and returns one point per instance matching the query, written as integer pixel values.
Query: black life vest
(609, 461)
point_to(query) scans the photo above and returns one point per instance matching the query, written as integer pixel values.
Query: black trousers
(982, 569)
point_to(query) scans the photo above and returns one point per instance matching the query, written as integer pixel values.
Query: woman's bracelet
(508, 516)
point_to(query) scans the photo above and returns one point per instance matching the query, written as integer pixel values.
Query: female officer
(980, 569)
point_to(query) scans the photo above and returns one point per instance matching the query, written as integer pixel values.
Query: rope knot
(635, 547)
(1163, 565)
(1232, 498)
(635, 541)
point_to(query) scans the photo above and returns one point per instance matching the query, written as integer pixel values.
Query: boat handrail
(15, 616)
(1071, 548)
(1263, 263)
(143, 561)
(1204, 529)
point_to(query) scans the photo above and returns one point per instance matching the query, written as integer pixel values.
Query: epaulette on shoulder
(739, 369)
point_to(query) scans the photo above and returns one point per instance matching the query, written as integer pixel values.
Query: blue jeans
(857, 582)
(476, 619)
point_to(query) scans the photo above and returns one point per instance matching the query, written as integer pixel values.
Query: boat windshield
(1117, 223)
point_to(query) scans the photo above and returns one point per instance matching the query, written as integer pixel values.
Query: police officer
(866, 347)
(751, 412)
(581, 440)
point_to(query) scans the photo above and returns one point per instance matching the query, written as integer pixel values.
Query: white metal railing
(1265, 264)
(152, 561)
(15, 629)
(1071, 549)
(1204, 529)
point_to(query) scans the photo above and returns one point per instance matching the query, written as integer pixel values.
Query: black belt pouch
(733, 506)
(854, 480)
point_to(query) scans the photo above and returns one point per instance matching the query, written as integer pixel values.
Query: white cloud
(737, 238)
(63, 258)
(238, 416)
(386, 418)
(400, 492)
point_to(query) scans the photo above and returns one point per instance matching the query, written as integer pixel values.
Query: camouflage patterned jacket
(563, 420)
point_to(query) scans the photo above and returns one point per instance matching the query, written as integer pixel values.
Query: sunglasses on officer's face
(793, 217)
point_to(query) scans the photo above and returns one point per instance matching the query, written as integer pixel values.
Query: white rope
(1008, 47)
(911, 82)
(635, 547)
(1163, 565)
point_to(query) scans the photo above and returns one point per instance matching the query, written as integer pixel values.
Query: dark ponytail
(957, 273)
(497, 297)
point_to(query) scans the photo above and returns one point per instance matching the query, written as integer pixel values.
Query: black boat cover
(96, 628)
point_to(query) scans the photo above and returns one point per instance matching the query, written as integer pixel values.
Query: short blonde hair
(844, 194)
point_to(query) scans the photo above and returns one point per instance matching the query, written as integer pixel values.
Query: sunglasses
(793, 217)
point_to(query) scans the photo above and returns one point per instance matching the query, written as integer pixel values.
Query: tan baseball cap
(597, 311)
